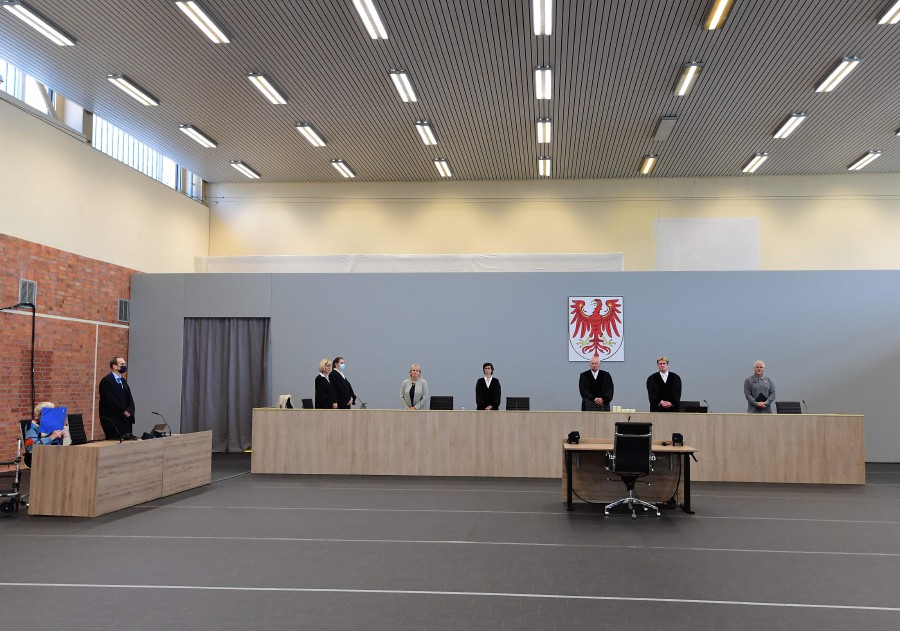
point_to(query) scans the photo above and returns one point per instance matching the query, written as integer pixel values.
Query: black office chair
(518, 403)
(787, 407)
(441, 402)
(632, 458)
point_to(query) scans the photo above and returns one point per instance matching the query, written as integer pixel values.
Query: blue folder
(53, 419)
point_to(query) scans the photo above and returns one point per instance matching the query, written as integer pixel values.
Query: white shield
(596, 328)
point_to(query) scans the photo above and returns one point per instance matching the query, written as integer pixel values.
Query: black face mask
(123, 368)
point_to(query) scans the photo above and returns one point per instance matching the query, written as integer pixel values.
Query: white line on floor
(411, 592)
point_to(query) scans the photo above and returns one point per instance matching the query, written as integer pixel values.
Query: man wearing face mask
(116, 402)
(343, 391)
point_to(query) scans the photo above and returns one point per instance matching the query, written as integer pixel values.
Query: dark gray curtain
(225, 375)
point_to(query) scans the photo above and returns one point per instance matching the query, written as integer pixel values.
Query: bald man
(759, 390)
(595, 386)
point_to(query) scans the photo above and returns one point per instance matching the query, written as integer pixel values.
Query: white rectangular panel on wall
(708, 245)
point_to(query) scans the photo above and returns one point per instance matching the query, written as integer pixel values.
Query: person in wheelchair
(34, 436)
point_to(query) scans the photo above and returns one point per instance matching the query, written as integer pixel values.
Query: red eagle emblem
(595, 325)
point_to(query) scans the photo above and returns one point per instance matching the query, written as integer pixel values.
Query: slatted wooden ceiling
(615, 64)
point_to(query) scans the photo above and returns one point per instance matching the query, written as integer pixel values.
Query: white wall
(60, 192)
(819, 222)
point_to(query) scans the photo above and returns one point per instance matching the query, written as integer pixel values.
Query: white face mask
(341, 367)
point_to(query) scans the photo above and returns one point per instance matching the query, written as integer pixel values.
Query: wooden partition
(98, 478)
(801, 448)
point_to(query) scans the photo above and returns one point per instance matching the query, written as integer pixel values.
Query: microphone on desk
(362, 404)
(707, 404)
(164, 421)
(806, 407)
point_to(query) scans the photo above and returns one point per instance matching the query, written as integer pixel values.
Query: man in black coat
(116, 402)
(664, 388)
(343, 391)
(595, 386)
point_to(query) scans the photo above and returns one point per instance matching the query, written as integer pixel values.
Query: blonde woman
(414, 391)
(324, 391)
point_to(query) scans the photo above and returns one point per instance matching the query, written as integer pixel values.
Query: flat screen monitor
(441, 402)
(518, 403)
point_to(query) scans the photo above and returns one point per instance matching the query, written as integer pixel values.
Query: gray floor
(314, 552)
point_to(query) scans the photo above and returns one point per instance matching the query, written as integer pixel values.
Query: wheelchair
(11, 496)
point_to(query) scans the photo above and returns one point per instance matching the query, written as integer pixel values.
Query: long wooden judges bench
(98, 478)
(796, 448)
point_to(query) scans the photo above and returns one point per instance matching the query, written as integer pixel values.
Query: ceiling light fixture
(132, 89)
(342, 168)
(542, 13)
(426, 133)
(543, 83)
(718, 13)
(839, 73)
(39, 23)
(865, 161)
(244, 169)
(756, 162)
(443, 168)
(202, 21)
(648, 164)
(370, 18)
(266, 88)
(892, 16)
(544, 131)
(690, 72)
(792, 123)
(310, 134)
(544, 166)
(403, 85)
(198, 136)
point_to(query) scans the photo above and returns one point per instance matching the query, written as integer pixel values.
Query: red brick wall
(84, 294)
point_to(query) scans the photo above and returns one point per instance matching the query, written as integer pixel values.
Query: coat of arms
(598, 329)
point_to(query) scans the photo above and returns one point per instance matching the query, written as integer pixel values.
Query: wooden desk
(99, 478)
(596, 471)
(792, 448)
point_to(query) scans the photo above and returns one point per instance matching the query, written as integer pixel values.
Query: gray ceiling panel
(615, 64)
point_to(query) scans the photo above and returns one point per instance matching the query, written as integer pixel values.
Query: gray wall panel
(826, 337)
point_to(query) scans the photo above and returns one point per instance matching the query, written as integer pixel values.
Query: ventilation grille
(124, 311)
(27, 291)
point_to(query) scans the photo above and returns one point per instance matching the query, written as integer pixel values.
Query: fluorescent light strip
(542, 13)
(310, 134)
(342, 168)
(404, 87)
(244, 169)
(198, 136)
(863, 162)
(792, 123)
(544, 167)
(370, 18)
(648, 164)
(202, 21)
(38, 23)
(543, 83)
(718, 14)
(756, 162)
(892, 16)
(426, 133)
(132, 89)
(544, 131)
(838, 74)
(443, 168)
(689, 74)
(266, 88)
